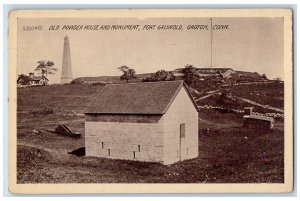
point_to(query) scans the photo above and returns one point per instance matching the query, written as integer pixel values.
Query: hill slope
(58, 98)
(227, 152)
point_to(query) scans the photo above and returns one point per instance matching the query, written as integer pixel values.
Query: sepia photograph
(195, 97)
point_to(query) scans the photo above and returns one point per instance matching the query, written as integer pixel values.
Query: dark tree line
(189, 72)
(160, 75)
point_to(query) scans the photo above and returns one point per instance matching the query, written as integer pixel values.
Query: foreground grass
(226, 155)
(227, 152)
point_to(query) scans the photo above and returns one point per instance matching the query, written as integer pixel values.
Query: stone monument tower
(66, 75)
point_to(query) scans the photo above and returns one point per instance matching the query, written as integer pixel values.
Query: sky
(248, 44)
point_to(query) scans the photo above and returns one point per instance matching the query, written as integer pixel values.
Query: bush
(76, 81)
(160, 75)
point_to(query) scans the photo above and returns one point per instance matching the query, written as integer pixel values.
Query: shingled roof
(37, 78)
(136, 98)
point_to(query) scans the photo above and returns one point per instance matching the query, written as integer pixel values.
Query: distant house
(227, 73)
(31, 80)
(207, 72)
(248, 76)
(146, 121)
(214, 70)
(257, 121)
(178, 72)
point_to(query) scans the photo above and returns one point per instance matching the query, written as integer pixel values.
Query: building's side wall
(130, 137)
(181, 110)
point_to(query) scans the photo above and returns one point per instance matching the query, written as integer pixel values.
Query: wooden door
(181, 138)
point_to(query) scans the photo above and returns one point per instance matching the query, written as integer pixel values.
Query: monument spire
(66, 76)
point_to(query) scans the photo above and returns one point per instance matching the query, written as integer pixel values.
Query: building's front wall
(130, 137)
(36, 82)
(181, 111)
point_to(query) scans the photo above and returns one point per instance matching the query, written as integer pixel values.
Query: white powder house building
(146, 121)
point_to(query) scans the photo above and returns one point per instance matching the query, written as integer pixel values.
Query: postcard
(150, 101)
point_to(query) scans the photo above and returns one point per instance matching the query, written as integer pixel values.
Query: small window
(139, 148)
(108, 152)
(134, 154)
(102, 145)
(182, 130)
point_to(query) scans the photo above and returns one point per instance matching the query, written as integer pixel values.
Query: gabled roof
(38, 78)
(34, 78)
(22, 76)
(136, 98)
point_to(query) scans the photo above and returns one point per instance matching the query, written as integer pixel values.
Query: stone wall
(132, 137)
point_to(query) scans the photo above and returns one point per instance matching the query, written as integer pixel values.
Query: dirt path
(204, 97)
(194, 90)
(260, 105)
(210, 93)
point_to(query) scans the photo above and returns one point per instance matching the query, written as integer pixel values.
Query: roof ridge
(172, 98)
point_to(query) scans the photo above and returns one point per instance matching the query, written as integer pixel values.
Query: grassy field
(268, 94)
(59, 98)
(227, 152)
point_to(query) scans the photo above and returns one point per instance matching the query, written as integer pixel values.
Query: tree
(190, 75)
(128, 73)
(160, 75)
(226, 100)
(23, 79)
(45, 67)
(264, 76)
(277, 79)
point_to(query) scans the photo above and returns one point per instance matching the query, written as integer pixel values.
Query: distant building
(227, 73)
(31, 80)
(214, 70)
(207, 72)
(178, 72)
(146, 121)
(257, 121)
(249, 76)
